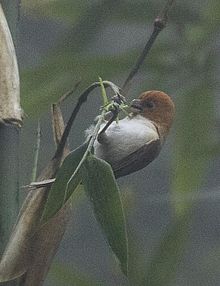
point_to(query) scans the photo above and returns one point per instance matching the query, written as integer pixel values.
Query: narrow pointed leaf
(57, 195)
(103, 191)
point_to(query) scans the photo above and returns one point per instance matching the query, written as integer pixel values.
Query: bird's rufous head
(156, 106)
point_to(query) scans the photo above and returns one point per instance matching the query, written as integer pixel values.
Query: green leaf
(103, 191)
(58, 194)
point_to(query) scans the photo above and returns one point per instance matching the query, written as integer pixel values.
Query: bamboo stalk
(10, 122)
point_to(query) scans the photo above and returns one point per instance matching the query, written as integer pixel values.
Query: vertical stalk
(10, 122)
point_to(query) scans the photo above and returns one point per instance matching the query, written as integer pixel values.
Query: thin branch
(159, 25)
(36, 153)
(113, 118)
(82, 99)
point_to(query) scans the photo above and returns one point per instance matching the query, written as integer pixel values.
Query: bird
(136, 140)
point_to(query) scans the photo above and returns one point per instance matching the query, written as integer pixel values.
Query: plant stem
(9, 125)
(159, 25)
(82, 99)
(103, 92)
(36, 153)
(9, 181)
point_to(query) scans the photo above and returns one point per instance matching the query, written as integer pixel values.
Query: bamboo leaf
(103, 192)
(57, 195)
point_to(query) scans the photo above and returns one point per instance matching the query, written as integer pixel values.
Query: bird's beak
(136, 106)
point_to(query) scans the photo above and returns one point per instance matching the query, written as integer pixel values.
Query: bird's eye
(150, 104)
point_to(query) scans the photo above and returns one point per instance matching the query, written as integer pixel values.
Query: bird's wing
(138, 159)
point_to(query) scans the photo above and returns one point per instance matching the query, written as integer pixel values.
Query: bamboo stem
(10, 121)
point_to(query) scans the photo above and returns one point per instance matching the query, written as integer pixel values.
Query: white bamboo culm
(10, 109)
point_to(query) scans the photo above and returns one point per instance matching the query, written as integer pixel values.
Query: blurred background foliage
(172, 206)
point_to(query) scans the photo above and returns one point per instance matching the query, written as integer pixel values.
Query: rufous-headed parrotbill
(135, 141)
